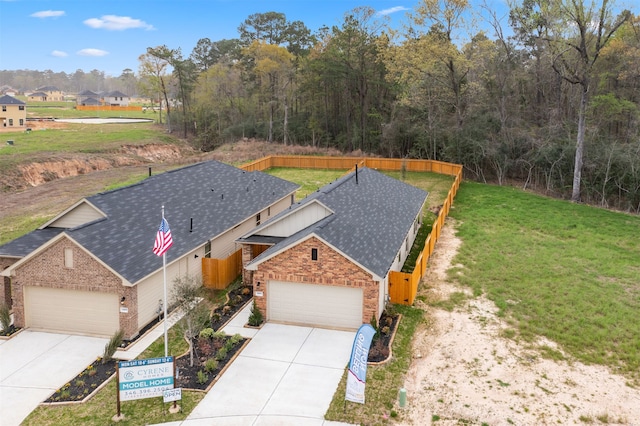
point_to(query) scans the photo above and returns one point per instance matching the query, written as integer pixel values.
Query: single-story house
(91, 269)
(87, 97)
(325, 261)
(13, 112)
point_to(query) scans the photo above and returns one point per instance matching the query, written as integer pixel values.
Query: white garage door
(70, 311)
(316, 305)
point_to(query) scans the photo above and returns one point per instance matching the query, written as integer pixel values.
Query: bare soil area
(465, 372)
(45, 188)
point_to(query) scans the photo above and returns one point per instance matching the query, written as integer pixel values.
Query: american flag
(163, 239)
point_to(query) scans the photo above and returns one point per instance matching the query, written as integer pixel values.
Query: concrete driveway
(286, 375)
(34, 364)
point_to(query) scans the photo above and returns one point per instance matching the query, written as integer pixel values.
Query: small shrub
(394, 414)
(111, 346)
(385, 330)
(238, 299)
(222, 354)
(215, 317)
(218, 335)
(236, 338)
(79, 383)
(206, 333)
(91, 371)
(211, 365)
(256, 318)
(246, 291)
(202, 377)
(205, 347)
(228, 345)
(65, 394)
(226, 309)
(5, 318)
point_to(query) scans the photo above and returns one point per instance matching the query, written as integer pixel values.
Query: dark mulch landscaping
(237, 299)
(11, 330)
(84, 383)
(211, 357)
(381, 343)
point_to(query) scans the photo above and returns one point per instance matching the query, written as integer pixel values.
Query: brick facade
(5, 282)
(331, 268)
(47, 269)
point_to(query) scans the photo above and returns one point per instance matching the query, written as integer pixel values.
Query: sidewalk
(134, 350)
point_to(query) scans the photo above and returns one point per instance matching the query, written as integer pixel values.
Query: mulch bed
(380, 348)
(84, 383)
(204, 371)
(11, 330)
(236, 300)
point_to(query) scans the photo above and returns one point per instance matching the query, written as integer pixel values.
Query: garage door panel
(70, 311)
(316, 305)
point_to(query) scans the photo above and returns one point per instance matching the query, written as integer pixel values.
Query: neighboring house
(8, 90)
(115, 98)
(37, 97)
(87, 97)
(13, 112)
(326, 260)
(91, 269)
(50, 94)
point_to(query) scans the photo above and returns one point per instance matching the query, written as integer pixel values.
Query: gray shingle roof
(216, 196)
(10, 100)
(22, 246)
(370, 221)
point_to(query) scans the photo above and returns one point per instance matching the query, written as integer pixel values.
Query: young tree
(186, 297)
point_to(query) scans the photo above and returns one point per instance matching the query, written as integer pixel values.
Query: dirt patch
(464, 372)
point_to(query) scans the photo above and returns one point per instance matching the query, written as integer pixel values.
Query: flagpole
(164, 278)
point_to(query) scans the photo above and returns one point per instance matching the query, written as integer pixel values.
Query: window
(258, 219)
(22, 122)
(68, 258)
(314, 254)
(11, 122)
(4, 107)
(207, 249)
(21, 107)
(268, 211)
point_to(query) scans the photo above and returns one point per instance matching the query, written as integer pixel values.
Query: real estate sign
(358, 364)
(144, 378)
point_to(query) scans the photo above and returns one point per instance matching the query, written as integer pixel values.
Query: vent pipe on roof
(222, 196)
(356, 174)
(191, 226)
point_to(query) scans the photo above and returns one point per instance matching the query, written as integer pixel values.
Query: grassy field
(565, 271)
(77, 138)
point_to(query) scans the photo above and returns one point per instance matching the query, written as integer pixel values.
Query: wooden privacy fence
(403, 286)
(219, 273)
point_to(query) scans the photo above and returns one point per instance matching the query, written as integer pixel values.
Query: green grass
(565, 271)
(310, 180)
(78, 138)
(383, 381)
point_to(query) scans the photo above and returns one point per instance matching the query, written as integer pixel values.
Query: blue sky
(110, 35)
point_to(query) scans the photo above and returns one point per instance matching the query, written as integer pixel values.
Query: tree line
(546, 96)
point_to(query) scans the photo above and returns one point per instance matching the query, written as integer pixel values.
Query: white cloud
(391, 10)
(117, 23)
(92, 52)
(48, 14)
(59, 54)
